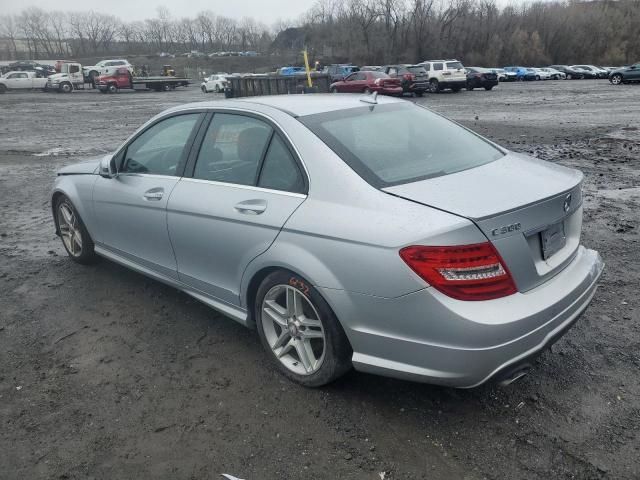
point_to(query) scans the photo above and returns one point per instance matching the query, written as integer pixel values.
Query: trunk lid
(529, 209)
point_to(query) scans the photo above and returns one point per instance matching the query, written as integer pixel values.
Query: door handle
(251, 207)
(154, 194)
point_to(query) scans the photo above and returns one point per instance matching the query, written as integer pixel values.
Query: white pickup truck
(21, 81)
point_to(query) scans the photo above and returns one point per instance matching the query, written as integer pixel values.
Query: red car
(366, 82)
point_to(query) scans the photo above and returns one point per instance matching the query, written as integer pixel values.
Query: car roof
(297, 105)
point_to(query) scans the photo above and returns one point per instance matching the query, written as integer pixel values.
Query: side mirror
(108, 167)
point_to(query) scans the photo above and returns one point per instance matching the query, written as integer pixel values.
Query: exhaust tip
(514, 375)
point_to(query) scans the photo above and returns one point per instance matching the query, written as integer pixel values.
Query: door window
(232, 149)
(437, 66)
(280, 170)
(160, 148)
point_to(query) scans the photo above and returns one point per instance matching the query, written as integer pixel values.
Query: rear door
(244, 184)
(131, 208)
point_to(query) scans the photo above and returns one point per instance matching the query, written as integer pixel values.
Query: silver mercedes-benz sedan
(349, 231)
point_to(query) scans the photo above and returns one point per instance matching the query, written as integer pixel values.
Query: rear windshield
(453, 65)
(399, 143)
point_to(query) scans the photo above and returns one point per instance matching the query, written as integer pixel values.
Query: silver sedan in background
(349, 231)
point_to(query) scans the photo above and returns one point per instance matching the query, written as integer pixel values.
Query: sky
(265, 11)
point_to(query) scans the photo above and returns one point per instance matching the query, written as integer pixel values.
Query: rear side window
(400, 143)
(232, 149)
(438, 66)
(280, 170)
(427, 67)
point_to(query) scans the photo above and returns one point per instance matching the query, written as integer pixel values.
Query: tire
(489, 87)
(166, 87)
(75, 238)
(66, 87)
(537, 77)
(366, 91)
(112, 88)
(434, 85)
(470, 89)
(325, 348)
(3, 88)
(333, 90)
(616, 79)
(204, 89)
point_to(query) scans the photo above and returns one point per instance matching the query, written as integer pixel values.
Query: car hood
(509, 183)
(86, 167)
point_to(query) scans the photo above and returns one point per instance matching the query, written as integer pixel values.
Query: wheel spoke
(294, 303)
(305, 354)
(286, 349)
(77, 239)
(310, 322)
(67, 215)
(276, 312)
(309, 334)
(282, 339)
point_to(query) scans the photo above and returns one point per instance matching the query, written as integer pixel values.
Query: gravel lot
(106, 374)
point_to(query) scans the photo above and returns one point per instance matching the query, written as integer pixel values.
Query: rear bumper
(426, 336)
(388, 90)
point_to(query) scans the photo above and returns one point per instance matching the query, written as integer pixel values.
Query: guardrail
(252, 86)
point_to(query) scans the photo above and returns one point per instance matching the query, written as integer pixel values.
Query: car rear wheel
(112, 88)
(616, 79)
(75, 238)
(299, 331)
(488, 87)
(434, 85)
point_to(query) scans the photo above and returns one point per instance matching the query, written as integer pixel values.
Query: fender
(78, 189)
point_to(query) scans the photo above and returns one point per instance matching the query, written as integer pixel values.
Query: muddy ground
(106, 374)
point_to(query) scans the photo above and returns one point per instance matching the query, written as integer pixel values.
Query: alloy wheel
(616, 79)
(69, 229)
(293, 329)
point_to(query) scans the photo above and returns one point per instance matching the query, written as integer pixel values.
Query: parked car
(445, 74)
(371, 68)
(368, 82)
(22, 81)
(543, 74)
(570, 72)
(105, 67)
(625, 74)
(348, 249)
(503, 75)
(597, 72)
(522, 73)
(287, 71)
(42, 70)
(214, 83)
(555, 74)
(478, 77)
(412, 77)
(339, 71)
(586, 72)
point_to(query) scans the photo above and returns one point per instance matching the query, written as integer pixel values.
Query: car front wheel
(616, 79)
(299, 331)
(75, 237)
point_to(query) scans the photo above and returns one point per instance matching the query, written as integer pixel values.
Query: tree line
(478, 32)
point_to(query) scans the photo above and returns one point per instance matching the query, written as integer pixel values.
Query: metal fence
(277, 85)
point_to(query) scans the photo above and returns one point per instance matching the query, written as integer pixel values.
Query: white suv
(106, 67)
(445, 74)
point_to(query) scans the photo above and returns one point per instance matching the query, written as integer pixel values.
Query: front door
(245, 185)
(131, 208)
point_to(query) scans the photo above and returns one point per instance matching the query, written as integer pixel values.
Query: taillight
(464, 272)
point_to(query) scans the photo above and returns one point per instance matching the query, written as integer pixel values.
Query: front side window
(280, 170)
(399, 143)
(160, 149)
(232, 149)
